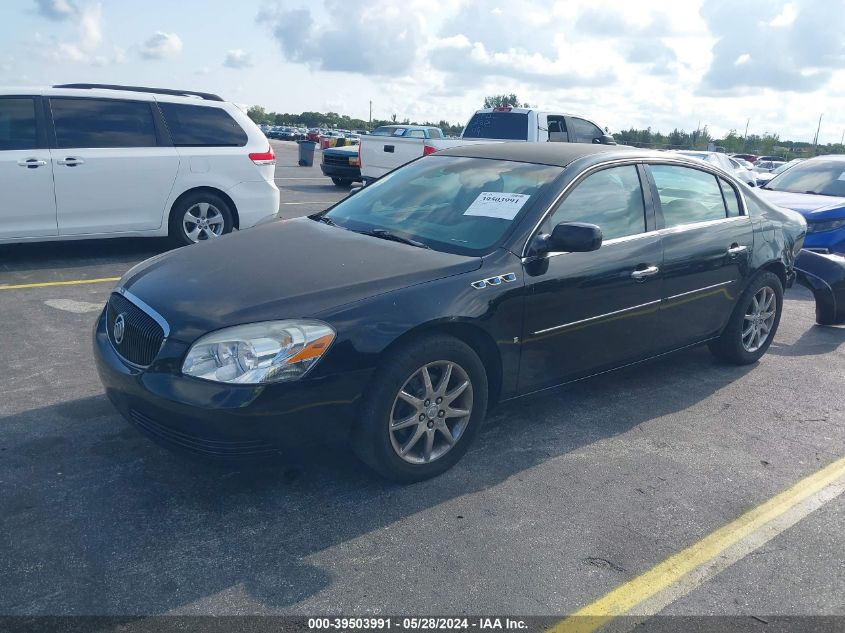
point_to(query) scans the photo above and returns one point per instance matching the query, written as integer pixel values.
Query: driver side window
(611, 198)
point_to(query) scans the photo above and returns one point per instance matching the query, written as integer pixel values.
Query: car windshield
(387, 130)
(452, 204)
(822, 177)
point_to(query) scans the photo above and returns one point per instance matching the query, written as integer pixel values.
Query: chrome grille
(142, 335)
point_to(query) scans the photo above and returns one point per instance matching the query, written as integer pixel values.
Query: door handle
(32, 163)
(641, 274)
(736, 249)
(70, 161)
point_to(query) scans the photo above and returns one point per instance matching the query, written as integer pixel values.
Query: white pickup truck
(380, 153)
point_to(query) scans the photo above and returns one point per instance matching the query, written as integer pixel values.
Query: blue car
(816, 189)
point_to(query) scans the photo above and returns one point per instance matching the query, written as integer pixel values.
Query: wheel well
(480, 342)
(777, 268)
(217, 192)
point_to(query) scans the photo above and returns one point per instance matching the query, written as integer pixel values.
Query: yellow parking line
(686, 563)
(47, 284)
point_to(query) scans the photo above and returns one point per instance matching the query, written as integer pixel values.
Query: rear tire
(199, 217)
(754, 322)
(444, 424)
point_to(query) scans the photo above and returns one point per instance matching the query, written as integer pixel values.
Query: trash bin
(306, 153)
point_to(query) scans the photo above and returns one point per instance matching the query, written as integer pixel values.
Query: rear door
(707, 246)
(113, 169)
(587, 312)
(27, 199)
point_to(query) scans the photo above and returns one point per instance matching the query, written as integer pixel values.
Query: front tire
(342, 182)
(422, 410)
(754, 322)
(199, 217)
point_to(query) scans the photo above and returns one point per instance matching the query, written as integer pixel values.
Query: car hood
(280, 270)
(807, 204)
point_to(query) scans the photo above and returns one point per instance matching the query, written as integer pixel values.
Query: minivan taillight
(428, 149)
(264, 158)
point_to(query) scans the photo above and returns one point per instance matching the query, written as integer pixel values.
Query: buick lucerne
(471, 276)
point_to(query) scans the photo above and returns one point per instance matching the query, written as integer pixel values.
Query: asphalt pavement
(563, 497)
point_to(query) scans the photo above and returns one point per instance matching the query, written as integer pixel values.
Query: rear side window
(17, 123)
(103, 123)
(201, 126)
(687, 195)
(611, 198)
(581, 131)
(731, 199)
(434, 132)
(416, 133)
(510, 126)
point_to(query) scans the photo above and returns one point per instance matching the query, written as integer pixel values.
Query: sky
(650, 63)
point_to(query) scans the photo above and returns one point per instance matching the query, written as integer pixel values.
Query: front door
(112, 172)
(587, 312)
(707, 243)
(27, 200)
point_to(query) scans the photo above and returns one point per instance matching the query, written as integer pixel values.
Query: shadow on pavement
(98, 520)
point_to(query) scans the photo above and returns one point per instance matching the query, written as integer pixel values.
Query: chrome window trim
(618, 162)
(145, 308)
(598, 316)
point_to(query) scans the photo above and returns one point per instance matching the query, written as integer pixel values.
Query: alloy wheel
(203, 221)
(431, 412)
(759, 319)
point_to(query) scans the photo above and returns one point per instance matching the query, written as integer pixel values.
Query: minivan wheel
(753, 324)
(200, 217)
(422, 410)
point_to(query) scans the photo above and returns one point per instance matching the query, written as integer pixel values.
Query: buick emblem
(119, 327)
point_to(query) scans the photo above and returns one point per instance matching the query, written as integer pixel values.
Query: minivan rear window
(201, 126)
(511, 126)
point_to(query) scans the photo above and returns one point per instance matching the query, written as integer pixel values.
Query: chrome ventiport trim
(145, 308)
(692, 292)
(494, 281)
(600, 316)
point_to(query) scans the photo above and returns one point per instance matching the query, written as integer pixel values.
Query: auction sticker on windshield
(491, 204)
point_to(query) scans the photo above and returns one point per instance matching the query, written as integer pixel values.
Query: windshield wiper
(325, 220)
(393, 237)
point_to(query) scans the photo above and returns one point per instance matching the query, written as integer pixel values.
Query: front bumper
(346, 172)
(219, 420)
(826, 241)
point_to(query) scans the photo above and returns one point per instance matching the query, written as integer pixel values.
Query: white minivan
(91, 161)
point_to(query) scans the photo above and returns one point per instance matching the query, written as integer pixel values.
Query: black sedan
(471, 276)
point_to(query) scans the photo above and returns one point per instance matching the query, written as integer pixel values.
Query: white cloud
(237, 58)
(161, 45)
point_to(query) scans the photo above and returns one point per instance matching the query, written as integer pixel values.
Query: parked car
(476, 275)
(767, 166)
(89, 161)
(408, 131)
(341, 164)
(765, 177)
(748, 157)
(816, 189)
(743, 163)
(777, 159)
(380, 155)
(723, 161)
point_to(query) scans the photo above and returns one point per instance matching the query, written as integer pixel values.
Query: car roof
(560, 154)
(144, 94)
(408, 127)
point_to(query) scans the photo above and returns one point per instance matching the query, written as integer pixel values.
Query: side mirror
(571, 237)
(604, 139)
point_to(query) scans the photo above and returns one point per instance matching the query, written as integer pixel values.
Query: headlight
(273, 351)
(822, 227)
